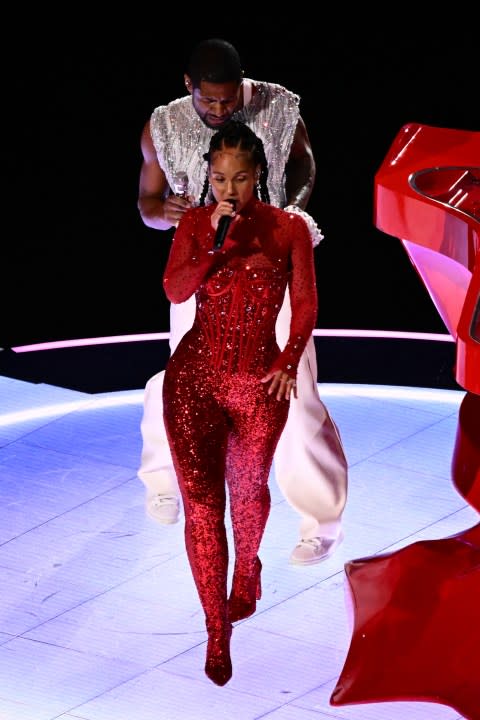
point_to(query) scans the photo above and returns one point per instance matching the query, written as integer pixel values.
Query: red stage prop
(416, 627)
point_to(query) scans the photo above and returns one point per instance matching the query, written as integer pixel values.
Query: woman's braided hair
(235, 134)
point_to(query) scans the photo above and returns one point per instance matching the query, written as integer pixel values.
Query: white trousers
(309, 465)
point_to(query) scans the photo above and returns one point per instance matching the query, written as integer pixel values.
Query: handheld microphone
(222, 228)
(180, 184)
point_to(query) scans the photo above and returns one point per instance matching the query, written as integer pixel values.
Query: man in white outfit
(310, 466)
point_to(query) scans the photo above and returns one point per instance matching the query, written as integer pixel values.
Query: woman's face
(233, 176)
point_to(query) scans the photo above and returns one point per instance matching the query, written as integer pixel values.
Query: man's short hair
(215, 61)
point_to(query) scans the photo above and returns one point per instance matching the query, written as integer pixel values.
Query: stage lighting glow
(135, 397)
(146, 337)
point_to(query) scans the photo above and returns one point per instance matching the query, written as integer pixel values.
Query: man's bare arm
(159, 209)
(300, 169)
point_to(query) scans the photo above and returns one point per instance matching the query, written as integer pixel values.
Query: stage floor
(99, 617)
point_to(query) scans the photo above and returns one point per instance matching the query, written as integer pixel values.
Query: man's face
(215, 103)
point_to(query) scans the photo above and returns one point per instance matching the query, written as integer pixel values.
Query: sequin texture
(222, 425)
(181, 138)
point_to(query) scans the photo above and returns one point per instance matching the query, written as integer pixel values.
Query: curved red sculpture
(416, 634)
(416, 626)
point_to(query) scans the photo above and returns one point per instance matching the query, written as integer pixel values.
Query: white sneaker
(163, 508)
(314, 550)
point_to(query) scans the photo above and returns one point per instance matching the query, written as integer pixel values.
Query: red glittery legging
(221, 427)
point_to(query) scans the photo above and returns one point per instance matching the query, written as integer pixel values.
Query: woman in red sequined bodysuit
(227, 385)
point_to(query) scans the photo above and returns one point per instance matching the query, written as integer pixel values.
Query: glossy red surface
(416, 629)
(467, 370)
(416, 611)
(466, 454)
(427, 194)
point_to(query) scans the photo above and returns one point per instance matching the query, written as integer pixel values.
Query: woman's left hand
(281, 384)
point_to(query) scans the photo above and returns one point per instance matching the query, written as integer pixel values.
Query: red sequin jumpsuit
(222, 425)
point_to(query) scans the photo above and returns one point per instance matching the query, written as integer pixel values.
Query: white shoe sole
(316, 560)
(165, 518)
(162, 520)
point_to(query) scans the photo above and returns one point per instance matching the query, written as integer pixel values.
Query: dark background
(77, 92)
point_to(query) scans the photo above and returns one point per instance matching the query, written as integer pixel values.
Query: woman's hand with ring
(280, 383)
(224, 207)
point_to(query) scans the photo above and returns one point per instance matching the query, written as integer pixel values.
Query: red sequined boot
(218, 665)
(244, 595)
